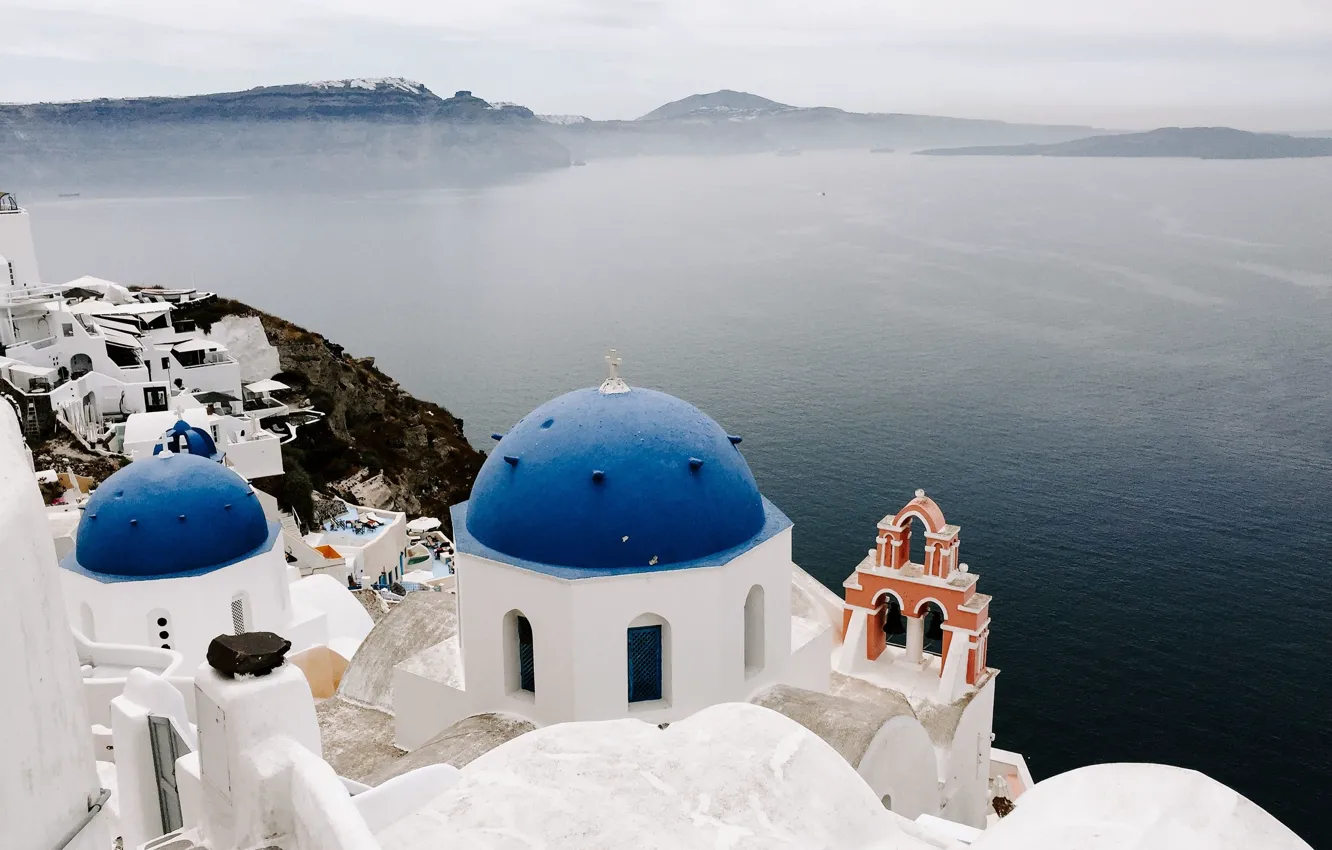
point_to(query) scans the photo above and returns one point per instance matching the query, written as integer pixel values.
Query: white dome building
(615, 559)
(175, 549)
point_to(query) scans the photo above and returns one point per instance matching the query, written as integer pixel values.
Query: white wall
(423, 707)
(809, 668)
(255, 457)
(197, 608)
(236, 716)
(47, 768)
(136, 776)
(900, 763)
(17, 247)
(382, 554)
(965, 766)
(586, 620)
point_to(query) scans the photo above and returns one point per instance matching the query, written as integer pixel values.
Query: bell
(892, 622)
(934, 627)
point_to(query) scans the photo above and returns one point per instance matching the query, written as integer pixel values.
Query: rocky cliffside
(377, 444)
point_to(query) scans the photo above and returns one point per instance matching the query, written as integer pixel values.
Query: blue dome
(184, 438)
(613, 481)
(169, 515)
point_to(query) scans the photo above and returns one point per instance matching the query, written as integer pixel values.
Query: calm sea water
(1114, 375)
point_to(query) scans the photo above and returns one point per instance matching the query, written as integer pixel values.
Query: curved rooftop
(615, 479)
(169, 516)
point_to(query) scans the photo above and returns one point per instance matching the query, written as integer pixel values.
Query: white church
(628, 657)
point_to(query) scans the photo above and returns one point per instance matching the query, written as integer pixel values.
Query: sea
(1112, 374)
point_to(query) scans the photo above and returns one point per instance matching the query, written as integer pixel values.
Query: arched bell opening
(915, 539)
(894, 622)
(933, 620)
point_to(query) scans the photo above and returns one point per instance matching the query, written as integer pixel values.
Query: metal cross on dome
(614, 384)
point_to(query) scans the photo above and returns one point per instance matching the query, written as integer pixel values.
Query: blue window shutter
(644, 663)
(526, 661)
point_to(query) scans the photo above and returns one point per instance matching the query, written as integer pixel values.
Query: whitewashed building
(176, 548)
(92, 357)
(616, 559)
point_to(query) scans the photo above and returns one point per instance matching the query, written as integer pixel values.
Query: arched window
(754, 636)
(240, 614)
(80, 364)
(519, 654)
(648, 648)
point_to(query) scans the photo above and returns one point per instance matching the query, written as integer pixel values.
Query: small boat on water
(788, 152)
(68, 195)
(578, 162)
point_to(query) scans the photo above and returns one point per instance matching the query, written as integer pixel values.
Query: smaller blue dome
(170, 515)
(184, 438)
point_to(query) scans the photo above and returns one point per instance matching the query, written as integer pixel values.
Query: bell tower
(887, 581)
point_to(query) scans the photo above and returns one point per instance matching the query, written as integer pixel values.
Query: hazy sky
(1259, 64)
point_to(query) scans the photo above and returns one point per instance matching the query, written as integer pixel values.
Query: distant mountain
(718, 104)
(725, 122)
(1195, 142)
(377, 132)
(378, 98)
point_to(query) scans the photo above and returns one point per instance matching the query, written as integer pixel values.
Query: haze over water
(1113, 374)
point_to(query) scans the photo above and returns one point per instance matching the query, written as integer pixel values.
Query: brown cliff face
(373, 428)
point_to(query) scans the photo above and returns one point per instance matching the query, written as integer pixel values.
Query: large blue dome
(605, 481)
(173, 514)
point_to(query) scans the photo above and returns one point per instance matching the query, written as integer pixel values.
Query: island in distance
(1194, 142)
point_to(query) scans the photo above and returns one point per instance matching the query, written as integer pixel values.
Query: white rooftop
(731, 776)
(1138, 806)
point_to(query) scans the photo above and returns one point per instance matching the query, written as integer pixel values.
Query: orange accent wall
(875, 639)
(913, 594)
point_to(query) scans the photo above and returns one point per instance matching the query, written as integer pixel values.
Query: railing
(27, 294)
(214, 360)
(99, 690)
(38, 345)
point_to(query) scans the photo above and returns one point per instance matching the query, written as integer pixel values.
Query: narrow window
(519, 656)
(644, 663)
(526, 663)
(754, 631)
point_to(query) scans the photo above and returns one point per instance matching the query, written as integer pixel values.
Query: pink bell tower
(888, 575)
